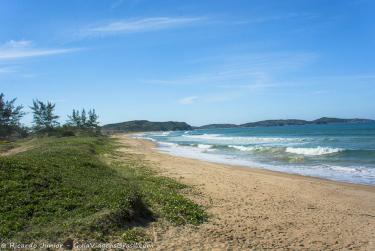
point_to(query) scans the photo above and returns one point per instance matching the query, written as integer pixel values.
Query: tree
(44, 117)
(74, 119)
(92, 122)
(83, 120)
(10, 116)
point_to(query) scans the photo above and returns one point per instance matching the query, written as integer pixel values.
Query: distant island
(286, 122)
(145, 126)
(148, 126)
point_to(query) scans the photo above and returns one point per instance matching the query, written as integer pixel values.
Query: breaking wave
(251, 148)
(313, 151)
(204, 146)
(248, 140)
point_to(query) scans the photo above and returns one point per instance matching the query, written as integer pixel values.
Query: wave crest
(245, 140)
(204, 146)
(248, 148)
(313, 151)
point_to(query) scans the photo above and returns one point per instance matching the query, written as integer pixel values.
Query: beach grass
(83, 188)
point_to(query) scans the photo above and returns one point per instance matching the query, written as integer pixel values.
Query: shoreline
(153, 144)
(258, 208)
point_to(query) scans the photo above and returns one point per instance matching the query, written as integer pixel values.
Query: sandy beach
(259, 209)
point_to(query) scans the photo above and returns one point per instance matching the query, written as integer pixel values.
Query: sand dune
(260, 209)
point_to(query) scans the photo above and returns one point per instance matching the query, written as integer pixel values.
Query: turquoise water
(344, 152)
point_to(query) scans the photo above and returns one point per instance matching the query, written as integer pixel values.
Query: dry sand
(255, 209)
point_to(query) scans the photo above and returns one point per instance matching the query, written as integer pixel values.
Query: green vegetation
(70, 182)
(145, 126)
(135, 235)
(81, 120)
(5, 146)
(45, 121)
(43, 115)
(10, 116)
(161, 193)
(81, 187)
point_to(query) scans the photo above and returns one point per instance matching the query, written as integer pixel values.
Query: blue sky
(203, 61)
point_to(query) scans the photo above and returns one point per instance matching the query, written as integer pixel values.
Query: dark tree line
(43, 115)
(10, 116)
(44, 119)
(83, 120)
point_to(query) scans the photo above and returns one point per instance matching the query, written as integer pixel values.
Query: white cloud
(251, 70)
(232, 77)
(24, 49)
(275, 18)
(6, 70)
(139, 25)
(17, 44)
(188, 100)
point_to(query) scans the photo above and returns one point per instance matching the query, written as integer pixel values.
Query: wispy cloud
(245, 71)
(274, 18)
(188, 100)
(235, 76)
(24, 49)
(6, 70)
(138, 25)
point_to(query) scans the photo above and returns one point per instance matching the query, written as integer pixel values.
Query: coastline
(314, 151)
(258, 208)
(254, 168)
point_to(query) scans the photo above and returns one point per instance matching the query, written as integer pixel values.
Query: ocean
(341, 152)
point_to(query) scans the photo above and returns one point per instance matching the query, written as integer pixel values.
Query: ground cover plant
(80, 187)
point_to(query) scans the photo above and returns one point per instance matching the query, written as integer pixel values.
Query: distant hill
(285, 122)
(326, 120)
(145, 126)
(276, 122)
(148, 126)
(213, 126)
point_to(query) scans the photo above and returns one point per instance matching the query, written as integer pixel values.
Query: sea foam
(249, 148)
(167, 144)
(243, 140)
(204, 146)
(313, 151)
